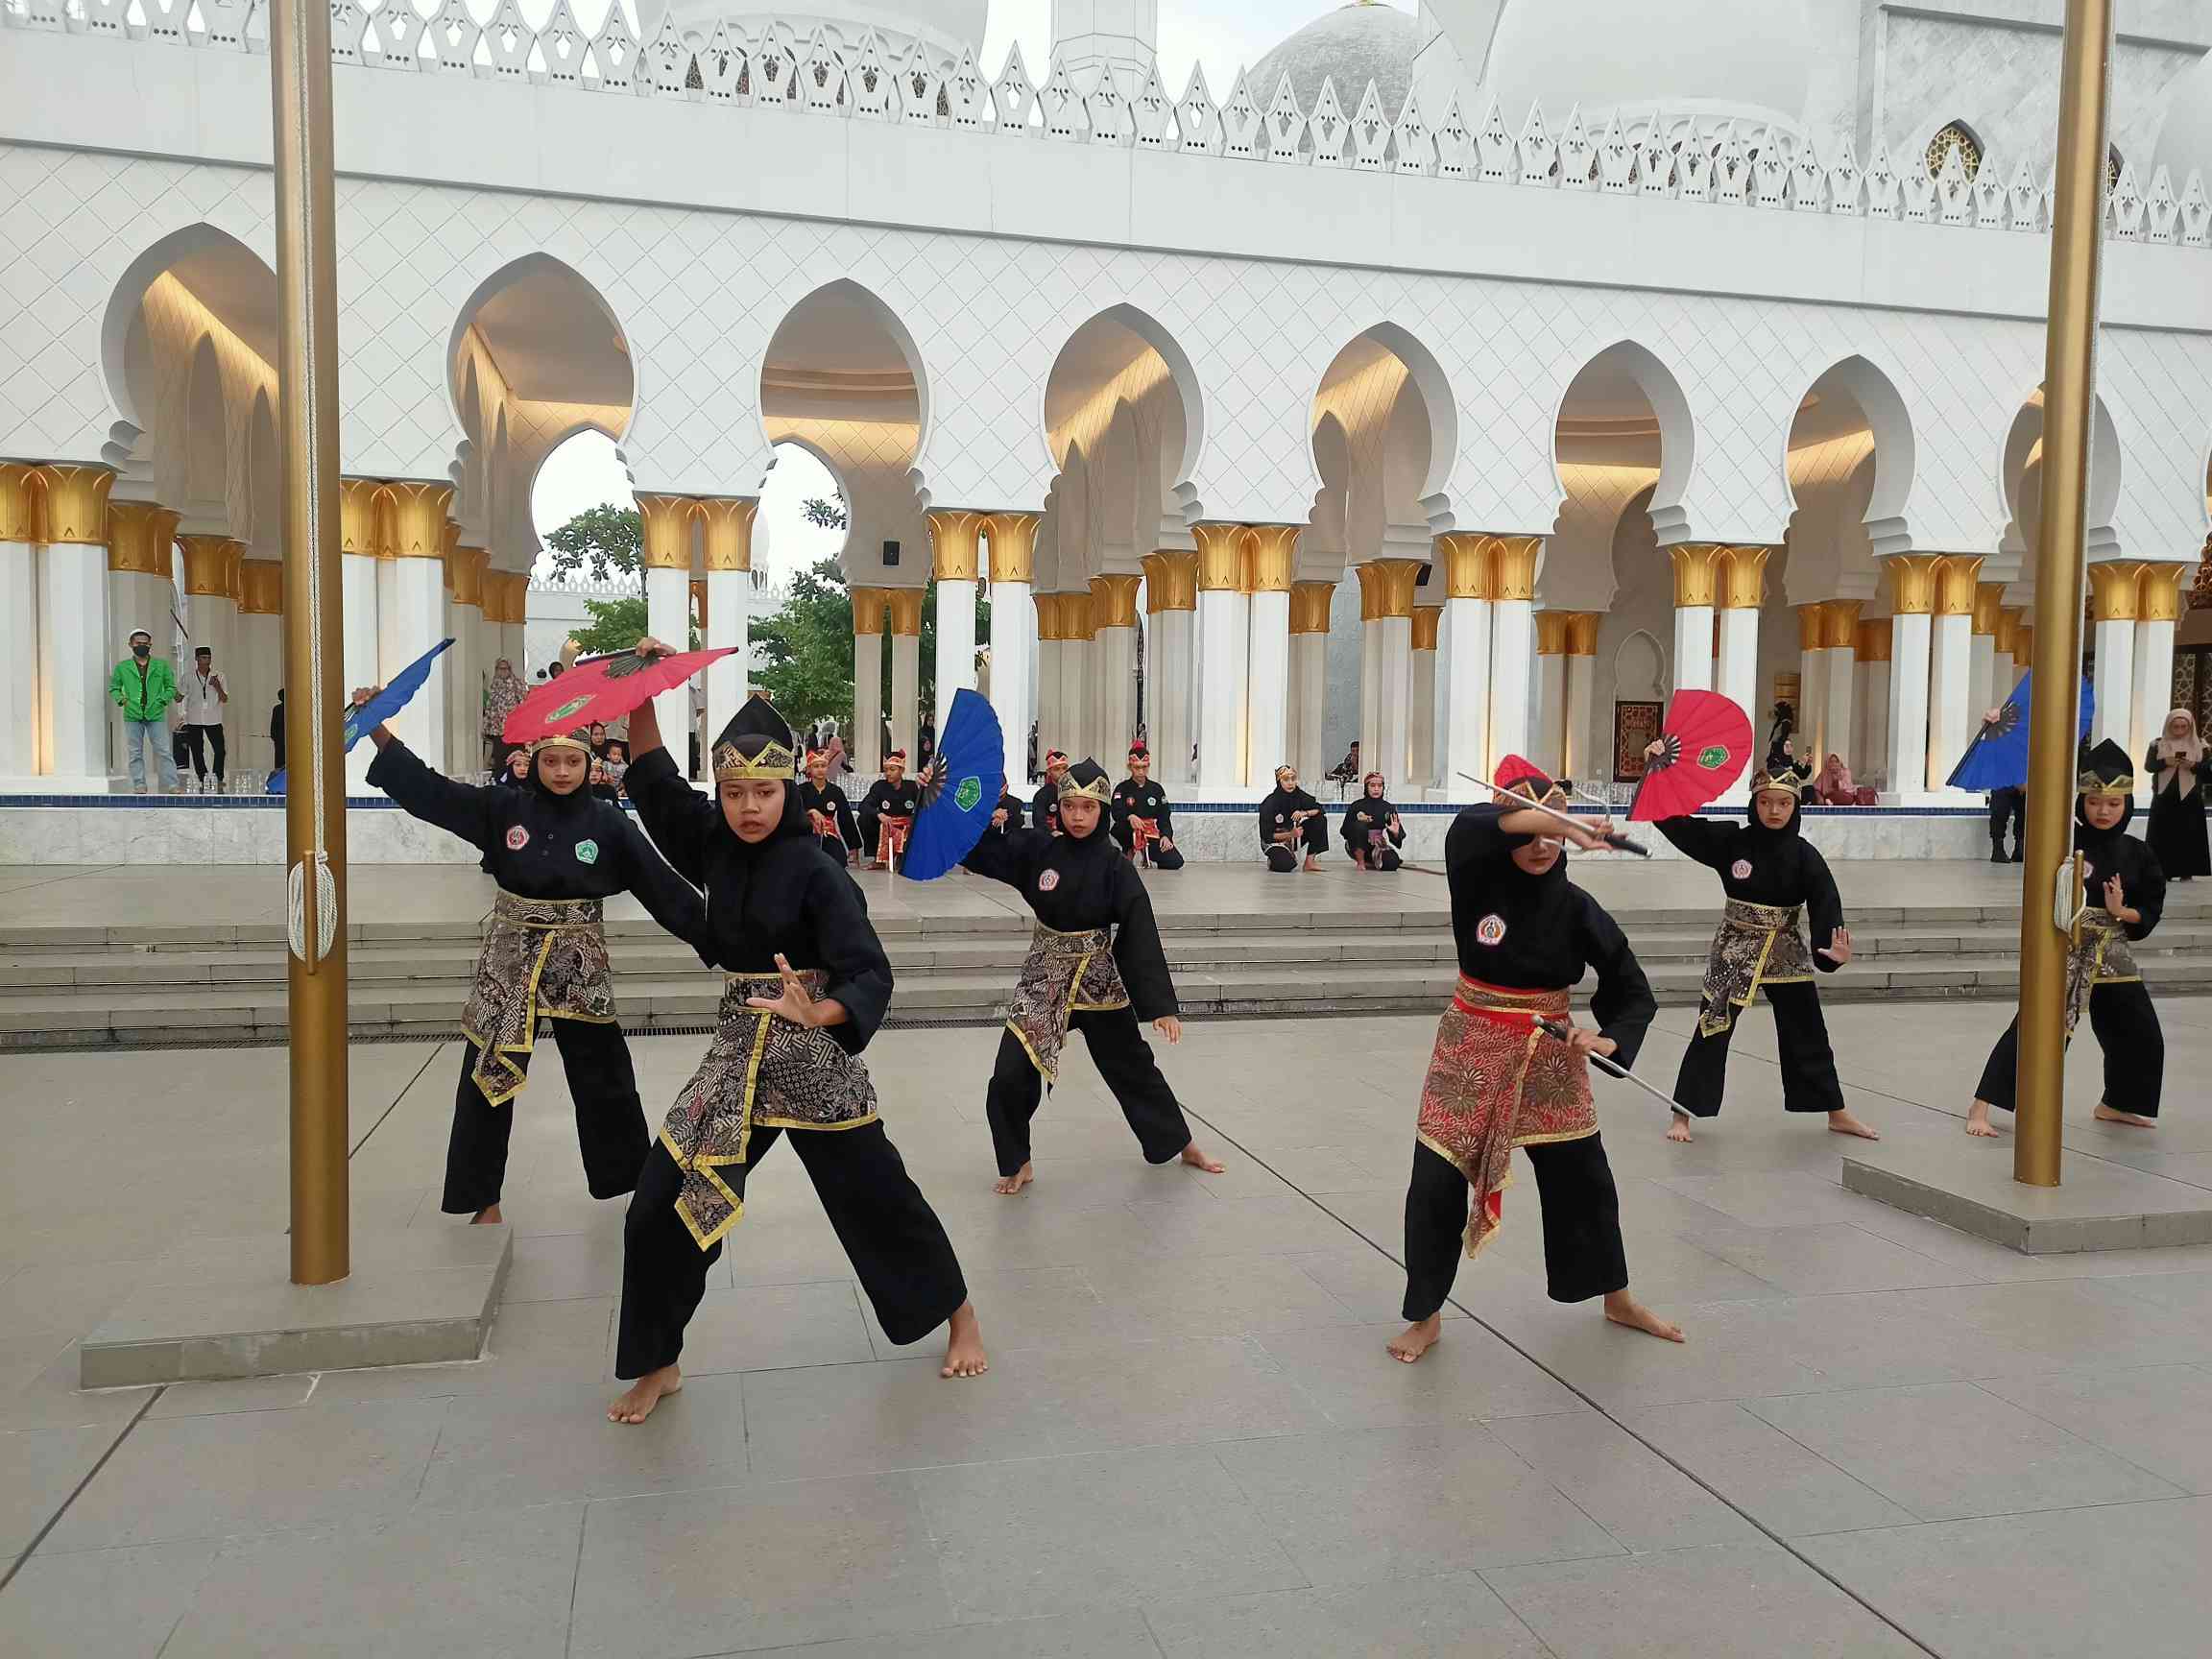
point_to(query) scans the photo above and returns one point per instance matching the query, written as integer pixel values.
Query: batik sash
(761, 1071)
(1496, 1082)
(540, 956)
(1756, 945)
(2101, 954)
(1062, 974)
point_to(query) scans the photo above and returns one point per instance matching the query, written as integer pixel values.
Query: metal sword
(1613, 838)
(1611, 1068)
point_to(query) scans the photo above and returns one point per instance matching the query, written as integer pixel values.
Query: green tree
(607, 539)
(826, 512)
(806, 648)
(616, 625)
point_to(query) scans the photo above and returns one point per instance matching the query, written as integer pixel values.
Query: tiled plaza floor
(1883, 1437)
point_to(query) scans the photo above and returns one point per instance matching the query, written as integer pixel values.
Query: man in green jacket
(143, 686)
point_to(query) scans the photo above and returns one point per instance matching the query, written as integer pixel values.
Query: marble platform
(2099, 1205)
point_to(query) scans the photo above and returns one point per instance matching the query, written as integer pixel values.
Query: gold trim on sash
(1755, 945)
(540, 956)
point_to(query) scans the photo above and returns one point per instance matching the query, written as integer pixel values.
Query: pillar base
(1970, 1187)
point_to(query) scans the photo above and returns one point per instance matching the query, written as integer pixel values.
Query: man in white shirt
(204, 695)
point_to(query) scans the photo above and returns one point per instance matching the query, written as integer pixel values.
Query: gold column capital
(2114, 587)
(2025, 644)
(1049, 630)
(1870, 641)
(2009, 619)
(261, 587)
(905, 610)
(1468, 567)
(207, 566)
(1988, 607)
(1270, 557)
(1078, 617)
(234, 567)
(448, 550)
(1114, 600)
(868, 610)
(469, 568)
(1957, 577)
(1839, 624)
(1694, 572)
(1912, 583)
(1514, 566)
(1013, 544)
(141, 537)
(1551, 633)
(1171, 580)
(665, 524)
(1426, 620)
(18, 501)
(2159, 597)
(1582, 633)
(1220, 557)
(361, 514)
(726, 531)
(1387, 586)
(1740, 577)
(1309, 606)
(1812, 625)
(954, 555)
(74, 508)
(418, 518)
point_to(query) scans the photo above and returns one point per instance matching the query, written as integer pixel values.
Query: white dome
(1745, 58)
(2185, 141)
(1350, 46)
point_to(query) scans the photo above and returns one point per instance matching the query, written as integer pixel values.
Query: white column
(1552, 694)
(905, 635)
(72, 631)
(1735, 675)
(19, 718)
(2003, 676)
(1267, 689)
(956, 641)
(1982, 691)
(1421, 765)
(261, 640)
(1388, 643)
(1468, 629)
(1114, 666)
(1052, 718)
(1586, 759)
(1168, 674)
(1078, 703)
(1512, 652)
(1309, 702)
(668, 619)
(2157, 613)
(1013, 636)
(728, 622)
(1223, 641)
(1909, 653)
(1871, 744)
(1950, 722)
(1838, 671)
(413, 622)
(865, 741)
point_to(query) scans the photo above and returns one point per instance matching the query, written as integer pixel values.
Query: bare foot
(964, 1347)
(1312, 865)
(1415, 1340)
(1679, 1129)
(1198, 1158)
(1623, 1308)
(1843, 1123)
(488, 1216)
(1978, 1120)
(1007, 1186)
(648, 1391)
(2107, 1114)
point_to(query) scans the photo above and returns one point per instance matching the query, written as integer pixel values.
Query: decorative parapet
(815, 70)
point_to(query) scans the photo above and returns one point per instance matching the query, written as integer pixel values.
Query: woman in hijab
(1835, 786)
(503, 694)
(2176, 832)
(1371, 830)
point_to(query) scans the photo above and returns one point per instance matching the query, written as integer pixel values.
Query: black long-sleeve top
(1274, 812)
(539, 845)
(784, 895)
(1135, 800)
(1524, 932)
(1764, 866)
(830, 801)
(1044, 810)
(1077, 883)
(1009, 803)
(1366, 817)
(899, 800)
(2116, 853)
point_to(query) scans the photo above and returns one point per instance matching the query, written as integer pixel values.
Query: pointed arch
(541, 308)
(1888, 527)
(1678, 429)
(196, 241)
(1065, 412)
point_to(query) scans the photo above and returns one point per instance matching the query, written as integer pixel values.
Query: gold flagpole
(314, 633)
(2069, 395)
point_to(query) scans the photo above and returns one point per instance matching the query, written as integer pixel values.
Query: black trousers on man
(610, 1120)
(891, 1235)
(1124, 1061)
(2127, 1031)
(1583, 1256)
(1809, 1081)
(198, 739)
(2008, 806)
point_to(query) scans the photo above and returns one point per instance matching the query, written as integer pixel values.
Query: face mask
(141, 650)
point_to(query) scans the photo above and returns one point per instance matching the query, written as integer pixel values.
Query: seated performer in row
(1045, 808)
(1095, 964)
(2125, 893)
(1290, 819)
(1007, 814)
(1773, 878)
(557, 854)
(887, 811)
(806, 985)
(1139, 820)
(1525, 937)
(1371, 830)
(828, 815)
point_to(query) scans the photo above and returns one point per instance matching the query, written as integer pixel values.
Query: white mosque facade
(1462, 383)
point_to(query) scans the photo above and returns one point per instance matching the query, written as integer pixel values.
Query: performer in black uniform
(1095, 964)
(806, 985)
(889, 805)
(1007, 814)
(1139, 819)
(1371, 830)
(2124, 894)
(1045, 808)
(828, 815)
(557, 854)
(1770, 874)
(2175, 832)
(1290, 819)
(1525, 937)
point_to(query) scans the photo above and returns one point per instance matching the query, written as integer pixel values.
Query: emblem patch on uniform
(1740, 869)
(518, 838)
(586, 852)
(1490, 929)
(1048, 881)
